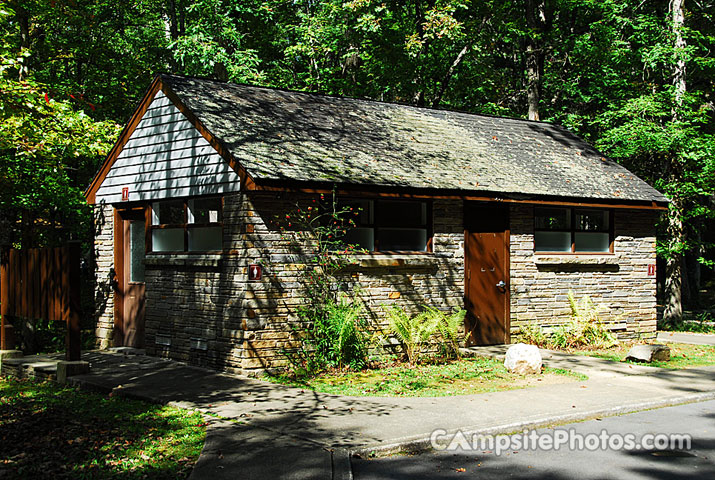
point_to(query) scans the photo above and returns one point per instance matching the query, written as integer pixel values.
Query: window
(193, 225)
(390, 225)
(576, 230)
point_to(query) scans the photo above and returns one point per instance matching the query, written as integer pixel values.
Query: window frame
(185, 225)
(573, 230)
(376, 225)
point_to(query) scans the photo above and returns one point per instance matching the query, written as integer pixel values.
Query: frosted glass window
(592, 242)
(388, 225)
(552, 241)
(572, 230)
(137, 249)
(403, 239)
(197, 220)
(363, 237)
(205, 238)
(167, 239)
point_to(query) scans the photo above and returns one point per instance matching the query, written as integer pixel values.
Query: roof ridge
(369, 100)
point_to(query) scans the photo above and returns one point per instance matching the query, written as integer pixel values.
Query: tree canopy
(634, 78)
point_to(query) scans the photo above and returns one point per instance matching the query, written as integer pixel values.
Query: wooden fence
(41, 283)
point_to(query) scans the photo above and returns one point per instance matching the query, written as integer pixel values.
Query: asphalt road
(661, 460)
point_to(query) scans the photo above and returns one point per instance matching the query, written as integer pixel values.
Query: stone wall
(201, 309)
(104, 265)
(211, 315)
(618, 283)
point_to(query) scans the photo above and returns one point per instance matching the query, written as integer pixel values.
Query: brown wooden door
(130, 249)
(486, 268)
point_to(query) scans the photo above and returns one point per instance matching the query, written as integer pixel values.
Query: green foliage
(585, 329)
(212, 46)
(533, 334)
(448, 335)
(413, 331)
(702, 323)
(431, 326)
(47, 150)
(333, 334)
(336, 338)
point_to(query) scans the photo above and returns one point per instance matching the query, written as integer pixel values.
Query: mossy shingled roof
(279, 135)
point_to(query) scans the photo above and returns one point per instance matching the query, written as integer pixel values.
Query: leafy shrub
(348, 342)
(702, 323)
(532, 334)
(413, 331)
(585, 329)
(334, 337)
(448, 326)
(416, 331)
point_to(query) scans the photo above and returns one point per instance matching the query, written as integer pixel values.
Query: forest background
(634, 78)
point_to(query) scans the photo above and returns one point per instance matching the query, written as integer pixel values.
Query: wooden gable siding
(165, 157)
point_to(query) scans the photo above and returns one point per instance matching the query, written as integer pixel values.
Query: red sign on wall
(125, 194)
(651, 270)
(255, 272)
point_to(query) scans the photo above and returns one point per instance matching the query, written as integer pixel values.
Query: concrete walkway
(273, 431)
(682, 337)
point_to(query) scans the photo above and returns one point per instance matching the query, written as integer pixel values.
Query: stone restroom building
(500, 216)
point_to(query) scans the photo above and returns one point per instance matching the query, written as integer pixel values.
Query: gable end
(163, 153)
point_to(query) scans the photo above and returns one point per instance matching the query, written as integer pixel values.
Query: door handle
(501, 284)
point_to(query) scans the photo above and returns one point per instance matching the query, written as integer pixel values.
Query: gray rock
(649, 353)
(523, 359)
(68, 369)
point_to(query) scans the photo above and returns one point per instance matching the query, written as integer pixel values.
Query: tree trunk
(673, 291)
(679, 72)
(448, 77)
(538, 22)
(173, 21)
(675, 231)
(23, 22)
(6, 228)
(534, 69)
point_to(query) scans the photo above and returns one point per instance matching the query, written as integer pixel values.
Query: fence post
(72, 342)
(7, 339)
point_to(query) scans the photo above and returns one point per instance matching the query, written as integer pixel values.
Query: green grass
(681, 355)
(463, 377)
(689, 326)
(50, 431)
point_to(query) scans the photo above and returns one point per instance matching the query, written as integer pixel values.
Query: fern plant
(532, 334)
(585, 329)
(348, 341)
(447, 333)
(413, 331)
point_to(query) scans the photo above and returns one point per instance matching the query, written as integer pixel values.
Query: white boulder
(523, 359)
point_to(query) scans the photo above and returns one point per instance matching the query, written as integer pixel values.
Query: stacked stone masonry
(104, 271)
(618, 284)
(201, 309)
